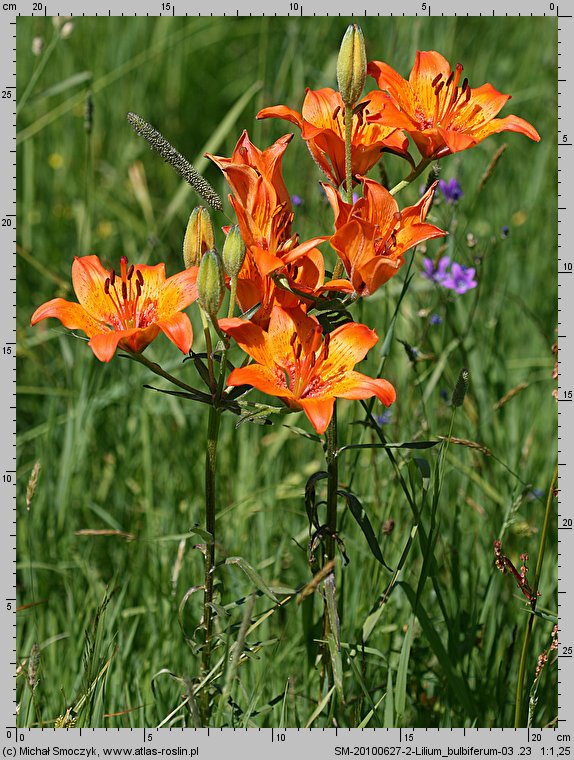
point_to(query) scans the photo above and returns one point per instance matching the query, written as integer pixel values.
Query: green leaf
(401, 686)
(253, 576)
(320, 707)
(459, 686)
(424, 468)
(389, 716)
(370, 714)
(310, 496)
(304, 433)
(337, 665)
(401, 445)
(387, 342)
(357, 673)
(66, 84)
(195, 531)
(199, 396)
(362, 518)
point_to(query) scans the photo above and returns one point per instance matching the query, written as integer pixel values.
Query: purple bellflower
(451, 190)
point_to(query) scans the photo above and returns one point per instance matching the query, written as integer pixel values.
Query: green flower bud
(233, 254)
(352, 65)
(210, 283)
(198, 237)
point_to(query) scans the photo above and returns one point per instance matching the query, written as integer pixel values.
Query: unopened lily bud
(198, 237)
(210, 283)
(233, 253)
(352, 65)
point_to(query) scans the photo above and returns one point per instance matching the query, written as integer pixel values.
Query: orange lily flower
(128, 310)
(294, 361)
(440, 116)
(306, 275)
(322, 125)
(262, 203)
(373, 235)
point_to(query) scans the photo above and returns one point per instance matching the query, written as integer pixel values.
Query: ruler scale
(258, 743)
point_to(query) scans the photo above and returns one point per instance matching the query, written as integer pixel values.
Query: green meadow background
(104, 623)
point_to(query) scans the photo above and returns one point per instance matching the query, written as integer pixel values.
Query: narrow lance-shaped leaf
(253, 576)
(362, 518)
(310, 497)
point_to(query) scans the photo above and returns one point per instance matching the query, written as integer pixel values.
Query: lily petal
(71, 315)
(281, 112)
(249, 337)
(88, 279)
(264, 379)
(177, 292)
(104, 345)
(358, 386)
(508, 124)
(319, 411)
(348, 345)
(178, 329)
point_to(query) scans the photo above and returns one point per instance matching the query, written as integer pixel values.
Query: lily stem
(331, 541)
(338, 271)
(332, 483)
(208, 351)
(232, 297)
(210, 472)
(348, 151)
(530, 622)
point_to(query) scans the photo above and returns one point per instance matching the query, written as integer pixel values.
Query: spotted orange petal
(319, 411)
(355, 385)
(71, 315)
(249, 337)
(177, 292)
(178, 329)
(348, 345)
(265, 379)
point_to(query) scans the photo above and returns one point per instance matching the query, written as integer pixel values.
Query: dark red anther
(326, 346)
(468, 93)
(292, 339)
(138, 289)
(450, 78)
(112, 277)
(107, 286)
(436, 80)
(465, 84)
(124, 291)
(438, 88)
(394, 237)
(295, 272)
(336, 113)
(298, 351)
(139, 275)
(130, 272)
